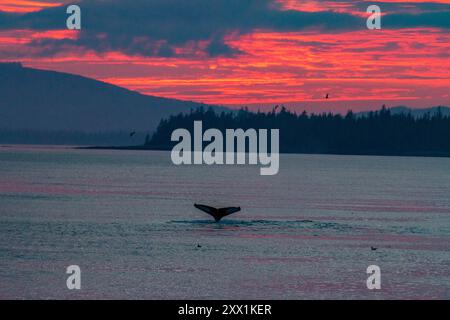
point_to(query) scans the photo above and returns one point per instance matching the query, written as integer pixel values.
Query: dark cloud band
(157, 27)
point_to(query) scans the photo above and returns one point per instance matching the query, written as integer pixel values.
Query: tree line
(374, 133)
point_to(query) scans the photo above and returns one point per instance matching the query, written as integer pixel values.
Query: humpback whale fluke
(217, 214)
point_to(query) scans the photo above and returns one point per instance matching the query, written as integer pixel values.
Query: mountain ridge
(35, 99)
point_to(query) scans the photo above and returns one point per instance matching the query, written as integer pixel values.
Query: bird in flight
(217, 214)
(132, 133)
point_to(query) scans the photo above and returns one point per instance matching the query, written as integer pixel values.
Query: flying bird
(217, 214)
(132, 133)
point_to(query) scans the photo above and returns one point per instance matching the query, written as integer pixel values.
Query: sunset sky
(236, 52)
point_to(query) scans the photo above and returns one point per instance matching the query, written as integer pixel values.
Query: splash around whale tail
(217, 214)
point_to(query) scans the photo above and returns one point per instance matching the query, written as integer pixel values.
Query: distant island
(48, 107)
(373, 133)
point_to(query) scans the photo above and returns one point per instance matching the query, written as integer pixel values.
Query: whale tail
(217, 214)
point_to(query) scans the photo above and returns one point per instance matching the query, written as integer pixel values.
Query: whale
(217, 214)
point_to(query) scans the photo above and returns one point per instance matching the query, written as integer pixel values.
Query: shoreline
(422, 154)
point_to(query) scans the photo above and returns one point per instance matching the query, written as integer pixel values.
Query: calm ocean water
(127, 219)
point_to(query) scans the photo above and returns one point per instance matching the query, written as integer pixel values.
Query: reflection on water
(127, 219)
